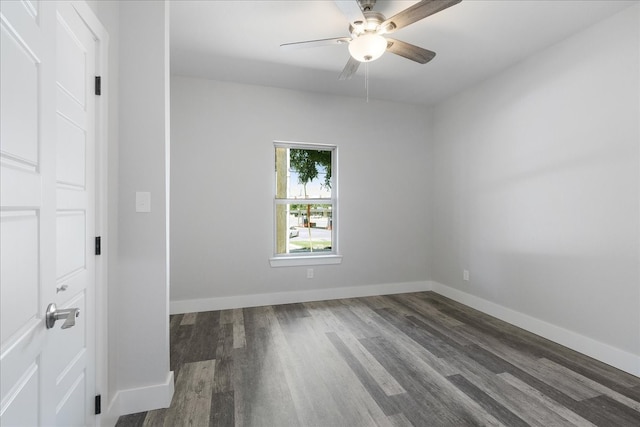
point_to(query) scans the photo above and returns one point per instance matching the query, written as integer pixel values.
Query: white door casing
(47, 213)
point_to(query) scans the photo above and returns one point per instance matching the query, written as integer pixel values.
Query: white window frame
(309, 258)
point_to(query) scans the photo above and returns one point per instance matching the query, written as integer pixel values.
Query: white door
(47, 212)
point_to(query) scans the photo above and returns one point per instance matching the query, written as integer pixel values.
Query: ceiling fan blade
(315, 43)
(351, 9)
(349, 69)
(410, 51)
(415, 13)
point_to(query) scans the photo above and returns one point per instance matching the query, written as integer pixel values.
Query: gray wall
(142, 310)
(535, 186)
(528, 180)
(137, 243)
(222, 187)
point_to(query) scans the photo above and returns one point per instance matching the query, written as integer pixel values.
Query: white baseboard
(610, 355)
(256, 300)
(131, 401)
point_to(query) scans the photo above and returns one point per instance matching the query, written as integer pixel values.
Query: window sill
(294, 261)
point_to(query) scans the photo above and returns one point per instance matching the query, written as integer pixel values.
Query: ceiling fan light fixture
(367, 47)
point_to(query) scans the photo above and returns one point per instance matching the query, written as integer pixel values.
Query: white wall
(535, 188)
(222, 185)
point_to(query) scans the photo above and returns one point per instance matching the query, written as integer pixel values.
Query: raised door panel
(70, 165)
(20, 273)
(71, 248)
(19, 105)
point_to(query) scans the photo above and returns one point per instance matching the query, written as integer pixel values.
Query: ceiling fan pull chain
(366, 79)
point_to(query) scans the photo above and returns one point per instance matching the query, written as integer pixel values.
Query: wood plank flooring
(401, 360)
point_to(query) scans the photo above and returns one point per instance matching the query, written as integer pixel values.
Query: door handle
(68, 314)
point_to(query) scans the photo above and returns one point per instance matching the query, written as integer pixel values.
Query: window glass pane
(303, 228)
(303, 173)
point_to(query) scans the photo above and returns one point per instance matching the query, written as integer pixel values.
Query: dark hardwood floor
(412, 359)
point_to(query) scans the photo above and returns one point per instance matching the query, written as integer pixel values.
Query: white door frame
(101, 196)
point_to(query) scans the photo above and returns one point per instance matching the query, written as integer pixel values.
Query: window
(305, 205)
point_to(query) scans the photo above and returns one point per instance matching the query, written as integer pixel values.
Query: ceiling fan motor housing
(366, 5)
(373, 21)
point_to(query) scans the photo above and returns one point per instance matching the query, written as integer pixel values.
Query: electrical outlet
(309, 273)
(465, 275)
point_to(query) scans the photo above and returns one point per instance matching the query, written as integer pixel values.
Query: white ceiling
(239, 41)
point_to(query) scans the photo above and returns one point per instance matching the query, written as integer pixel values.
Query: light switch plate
(143, 201)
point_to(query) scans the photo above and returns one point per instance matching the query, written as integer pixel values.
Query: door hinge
(98, 85)
(98, 404)
(98, 245)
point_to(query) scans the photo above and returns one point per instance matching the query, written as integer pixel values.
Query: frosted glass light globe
(367, 47)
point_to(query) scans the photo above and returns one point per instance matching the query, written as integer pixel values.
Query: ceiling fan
(367, 28)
